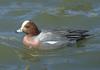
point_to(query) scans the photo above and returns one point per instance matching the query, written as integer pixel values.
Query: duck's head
(29, 27)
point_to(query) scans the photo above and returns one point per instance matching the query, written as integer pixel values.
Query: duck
(49, 39)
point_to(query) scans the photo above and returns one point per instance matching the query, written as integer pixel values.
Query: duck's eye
(27, 26)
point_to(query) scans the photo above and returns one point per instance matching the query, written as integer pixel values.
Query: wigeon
(49, 39)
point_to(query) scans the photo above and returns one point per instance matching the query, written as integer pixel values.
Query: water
(77, 14)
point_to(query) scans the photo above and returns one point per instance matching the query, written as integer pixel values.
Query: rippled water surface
(50, 14)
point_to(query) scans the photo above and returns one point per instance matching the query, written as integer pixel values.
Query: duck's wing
(78, 31)
(73, 34)
(50, 36)
(77, 34)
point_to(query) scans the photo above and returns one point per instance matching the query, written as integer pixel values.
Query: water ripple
(74, 13)
(39, 8)
(10, 39)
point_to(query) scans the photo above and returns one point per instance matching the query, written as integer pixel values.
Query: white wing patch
(51, 42)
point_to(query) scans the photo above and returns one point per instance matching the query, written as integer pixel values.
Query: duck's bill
(19, 30)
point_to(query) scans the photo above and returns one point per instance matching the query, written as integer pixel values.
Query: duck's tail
(94, 32)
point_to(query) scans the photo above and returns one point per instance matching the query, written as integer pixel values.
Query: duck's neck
(33, 34)
(29, 35)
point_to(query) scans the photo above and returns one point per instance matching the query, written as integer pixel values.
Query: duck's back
(56, 39)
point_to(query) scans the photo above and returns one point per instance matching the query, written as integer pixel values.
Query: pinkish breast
(29, 42)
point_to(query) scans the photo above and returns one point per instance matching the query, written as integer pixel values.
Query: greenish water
(50, 14)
